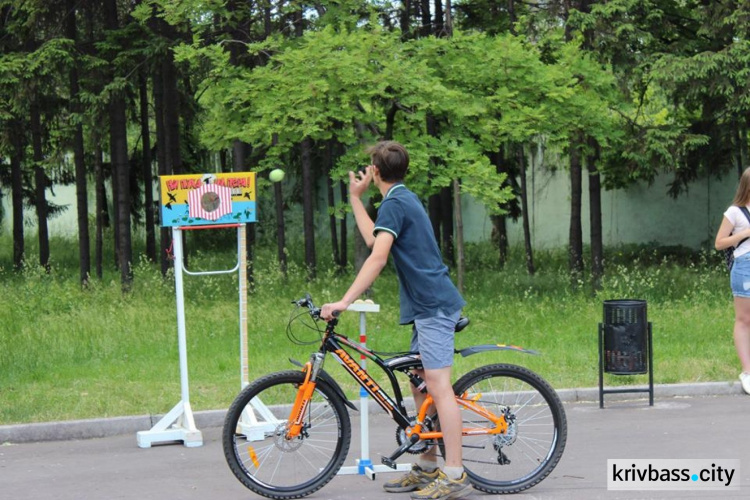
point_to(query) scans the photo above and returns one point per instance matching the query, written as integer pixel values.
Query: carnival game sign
(207, 199)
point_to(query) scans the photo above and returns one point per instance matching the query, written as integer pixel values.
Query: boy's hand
(360, 181)
(326, 312)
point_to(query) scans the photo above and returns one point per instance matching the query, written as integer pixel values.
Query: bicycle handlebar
(307, 301)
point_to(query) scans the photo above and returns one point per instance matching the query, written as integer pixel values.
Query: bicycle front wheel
(536, 435)
(264, 459)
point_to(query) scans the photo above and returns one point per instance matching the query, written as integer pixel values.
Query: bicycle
(287, 434)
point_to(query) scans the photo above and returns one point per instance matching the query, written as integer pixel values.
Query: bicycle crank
(420, 446)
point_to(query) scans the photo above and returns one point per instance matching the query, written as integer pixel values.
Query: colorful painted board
(207, 199)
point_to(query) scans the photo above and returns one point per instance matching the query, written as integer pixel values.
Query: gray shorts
(432, 338)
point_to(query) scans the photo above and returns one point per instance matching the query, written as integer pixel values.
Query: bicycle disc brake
(420, 446)
(288, 445)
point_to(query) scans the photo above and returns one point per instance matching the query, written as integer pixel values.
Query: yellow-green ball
(276, 175)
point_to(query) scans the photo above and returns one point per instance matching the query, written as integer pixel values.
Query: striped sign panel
(210, 202)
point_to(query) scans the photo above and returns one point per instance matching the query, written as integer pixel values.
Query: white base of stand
(177, 425)
(366, 468)
(251, 427)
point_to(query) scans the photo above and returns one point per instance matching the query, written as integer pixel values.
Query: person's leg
(428, 459)
(452, 482)
(440, 388)
(742, 331)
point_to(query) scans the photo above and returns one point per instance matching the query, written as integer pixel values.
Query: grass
(67, 353)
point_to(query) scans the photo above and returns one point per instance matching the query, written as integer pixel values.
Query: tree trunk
(500, 238)
(342, 226)
(438, 16)
(575, 249)
(512, 16)
(405, 18)
(161, 159)
(278, 197)
(239, 163)
(741, 151)
(595, 216)
(446, 224)
(40, 183)
(148, 181)
(16, 162)
(426, 17)
(308, 206)
(499, 222)
(101, 205)
(82, 202)
(459, 235)
(332, 223)
(530, 268)
(171, 108)
(280, 229)
(115, 182)
(121, 169)
(434, 211)
(171, 115)
(120, 166)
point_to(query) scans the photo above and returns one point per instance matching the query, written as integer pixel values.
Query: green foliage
(683, 67)
(347, 83)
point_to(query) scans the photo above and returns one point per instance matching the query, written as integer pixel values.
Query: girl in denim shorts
(734, 232)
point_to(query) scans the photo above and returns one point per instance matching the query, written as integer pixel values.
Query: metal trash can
(625, 344)
(625, 337)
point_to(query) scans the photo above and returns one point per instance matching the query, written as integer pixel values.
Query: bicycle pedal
(390, 463)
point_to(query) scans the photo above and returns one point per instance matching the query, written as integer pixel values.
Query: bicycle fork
(295, 423)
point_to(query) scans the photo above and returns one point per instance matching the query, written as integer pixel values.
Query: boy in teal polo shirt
(428, 300)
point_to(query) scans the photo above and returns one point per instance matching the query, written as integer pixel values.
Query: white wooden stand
(179, 424)
(364, 466)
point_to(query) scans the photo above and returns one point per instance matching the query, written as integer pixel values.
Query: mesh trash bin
(625, 344)
(625, 337)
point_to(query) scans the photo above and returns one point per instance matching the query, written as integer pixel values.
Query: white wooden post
(364, 464)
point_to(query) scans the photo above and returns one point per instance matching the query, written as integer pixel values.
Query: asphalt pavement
(704, 421)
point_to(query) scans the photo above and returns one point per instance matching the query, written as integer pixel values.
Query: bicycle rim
(258, 452)
(537, 431)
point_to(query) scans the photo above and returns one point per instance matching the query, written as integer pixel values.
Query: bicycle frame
(334, 343)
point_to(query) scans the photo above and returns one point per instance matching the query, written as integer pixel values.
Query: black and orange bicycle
(288, 433)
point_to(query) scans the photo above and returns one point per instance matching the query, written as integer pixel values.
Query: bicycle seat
(462, 323)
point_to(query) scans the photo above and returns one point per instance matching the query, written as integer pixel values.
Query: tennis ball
(276, 175)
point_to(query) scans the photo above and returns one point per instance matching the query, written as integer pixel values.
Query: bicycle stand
(364, 466)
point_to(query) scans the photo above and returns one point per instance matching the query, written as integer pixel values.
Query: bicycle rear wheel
(537, 428)
(259, 454)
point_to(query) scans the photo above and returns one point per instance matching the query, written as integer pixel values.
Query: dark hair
(391, 158)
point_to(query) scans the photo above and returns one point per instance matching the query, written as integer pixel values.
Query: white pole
(181, 342)
(242, 260)
(363, 401)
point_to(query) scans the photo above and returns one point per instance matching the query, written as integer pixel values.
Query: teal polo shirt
(425, 286)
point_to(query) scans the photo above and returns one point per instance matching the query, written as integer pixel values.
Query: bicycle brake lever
(303, 302)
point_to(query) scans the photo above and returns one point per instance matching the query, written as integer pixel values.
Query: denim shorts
(740, 276)
(433, 339)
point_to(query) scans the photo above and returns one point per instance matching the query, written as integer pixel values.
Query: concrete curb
(105, 427)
